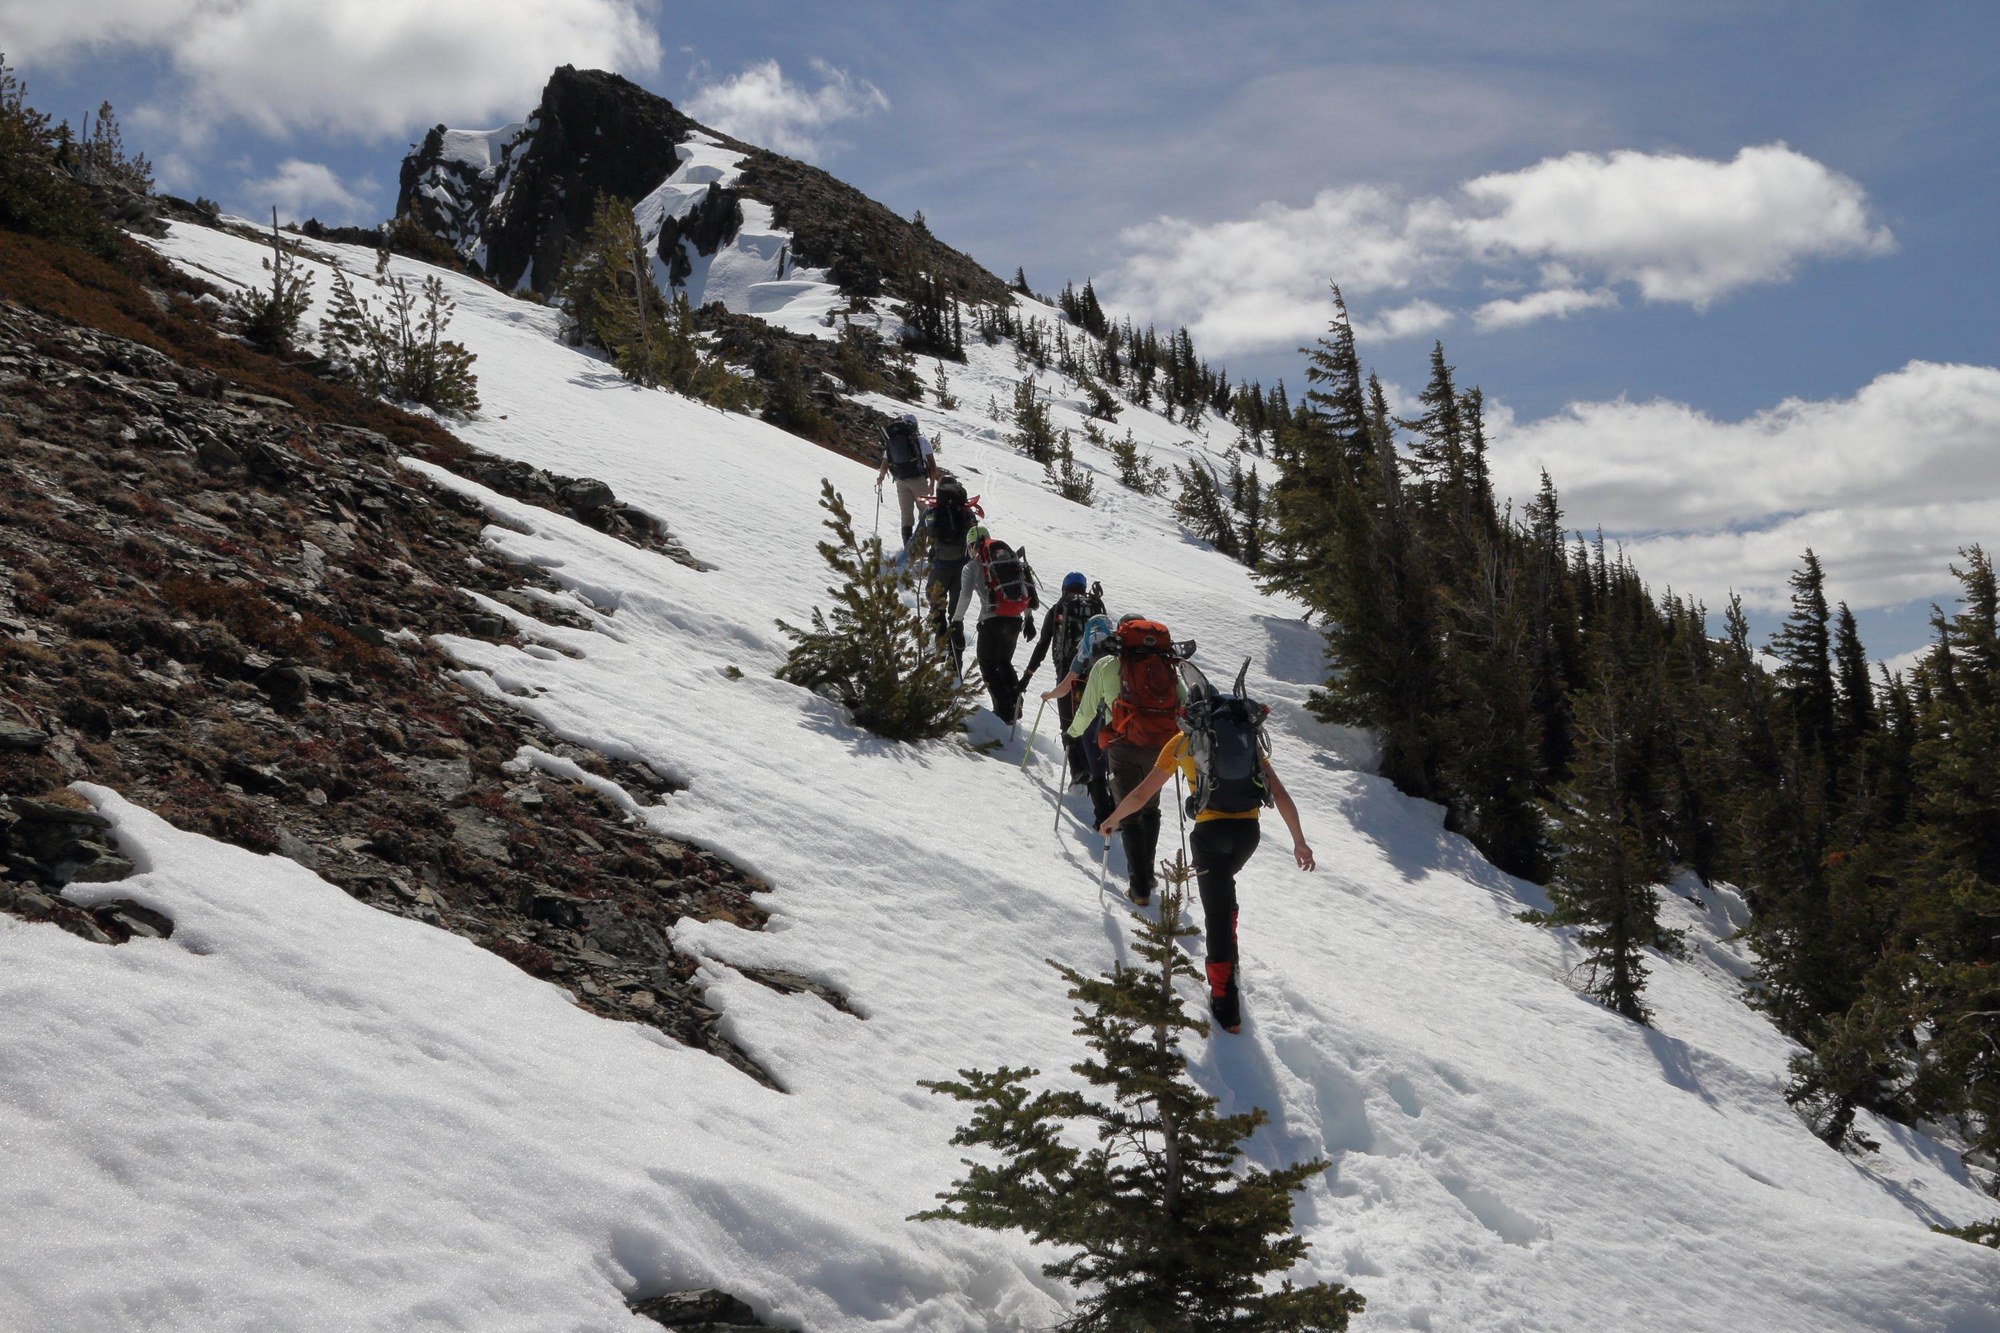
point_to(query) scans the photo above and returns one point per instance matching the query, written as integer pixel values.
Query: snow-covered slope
(302, 1113)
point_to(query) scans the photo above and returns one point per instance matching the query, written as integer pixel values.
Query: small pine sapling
(1136, 469)
(1606, 868)
(398, 350)
(1158, 1229)
(873, 654)
(1065, 477)
(1034, 434)
(941, 390)
(273, 316)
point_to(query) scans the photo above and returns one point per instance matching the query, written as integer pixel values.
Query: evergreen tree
(394, 346)
(1854, 695)
(1805, 656)
(1066, 479)
(1136, 468)
(1333, 453)
(36, 195)
(1157, 1227)
(1204, 509)
(273, 317)
(1606, 868)
(1034, 433)
(874, 655)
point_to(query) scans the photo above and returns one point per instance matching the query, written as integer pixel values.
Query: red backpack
(1148, 705)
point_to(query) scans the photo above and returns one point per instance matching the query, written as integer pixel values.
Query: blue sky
(1757, 217)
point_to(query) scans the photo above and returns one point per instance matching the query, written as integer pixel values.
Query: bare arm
(1290, 814)
(1062, 689)
(1135, 798)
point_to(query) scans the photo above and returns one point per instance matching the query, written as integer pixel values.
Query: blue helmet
(1074, 582)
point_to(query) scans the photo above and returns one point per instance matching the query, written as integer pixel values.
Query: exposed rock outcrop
(219, 604)
(512, 200)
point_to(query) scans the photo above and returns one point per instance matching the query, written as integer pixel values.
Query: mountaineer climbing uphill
(907, 454)
(1139, 690)
(1080, 737)
(1062, 631)
(1221, 751)
(951, 514)
(999, 577)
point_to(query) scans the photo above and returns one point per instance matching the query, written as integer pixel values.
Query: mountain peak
(511, 200)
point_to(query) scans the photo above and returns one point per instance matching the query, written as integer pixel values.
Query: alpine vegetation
(1136, 469)
(397, 349)
(874, 655)
(1065, 477)
(612, 303)
(1608, 867)
(1159, 1229)
(273, 315)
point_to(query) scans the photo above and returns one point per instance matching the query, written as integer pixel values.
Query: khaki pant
(909, 490)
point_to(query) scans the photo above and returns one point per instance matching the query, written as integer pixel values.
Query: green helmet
(976, 534)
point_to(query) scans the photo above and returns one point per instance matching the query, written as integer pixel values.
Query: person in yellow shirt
(1226, 830)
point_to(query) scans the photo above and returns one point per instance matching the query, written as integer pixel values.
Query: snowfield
(303, 1113)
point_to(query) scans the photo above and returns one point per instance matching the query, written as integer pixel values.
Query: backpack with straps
(1009, 581)
(1148, 689)
(953, 512)
(905, 449)
(1073, 612)
(1226, 744)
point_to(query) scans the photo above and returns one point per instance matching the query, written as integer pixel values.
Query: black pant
(1220, 847)
(1078, 763)
(1129, 766)
(998, 638)
(1097, 769)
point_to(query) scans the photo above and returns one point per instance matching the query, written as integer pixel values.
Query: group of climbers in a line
(1135, 713)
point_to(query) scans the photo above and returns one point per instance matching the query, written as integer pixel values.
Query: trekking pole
(1029, 748)
(1103, 863)
(878, 509)
(1180, 808)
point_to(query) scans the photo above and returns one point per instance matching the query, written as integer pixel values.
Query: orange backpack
(1149, 700)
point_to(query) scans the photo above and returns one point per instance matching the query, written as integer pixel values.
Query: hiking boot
(1140, 894)
(1227, 1010)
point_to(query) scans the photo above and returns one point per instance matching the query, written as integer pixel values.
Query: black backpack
(905, 453)
(1073, 612)
(1227, 744)
(953, 513)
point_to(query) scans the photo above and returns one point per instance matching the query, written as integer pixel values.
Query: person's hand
(1303, 855)
(1048, 695)
(1108, 827)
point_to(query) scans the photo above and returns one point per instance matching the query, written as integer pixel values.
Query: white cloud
(1262, 281)
(372, 68)
(760, 105)
(1885, 485)
(1404, 321)
(1683, 229)
(308, 189)
(1679, 229)
(1555, 303)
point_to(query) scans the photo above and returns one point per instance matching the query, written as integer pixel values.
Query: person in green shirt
(1131, 749)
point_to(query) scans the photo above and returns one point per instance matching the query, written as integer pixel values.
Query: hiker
(950, 515)
(1062, 632)
(1088, 764)
(907, 453)
(999, 577)
(1139, 690)
(1220, 751)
